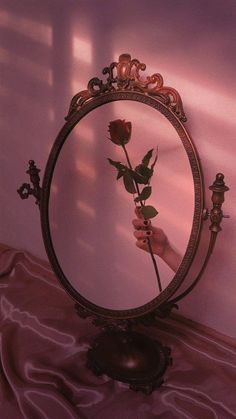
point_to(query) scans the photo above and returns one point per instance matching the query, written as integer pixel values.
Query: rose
(120, 131)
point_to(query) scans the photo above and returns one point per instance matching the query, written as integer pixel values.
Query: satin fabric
(43, 357)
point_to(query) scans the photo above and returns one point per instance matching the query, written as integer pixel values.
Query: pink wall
(49, 50)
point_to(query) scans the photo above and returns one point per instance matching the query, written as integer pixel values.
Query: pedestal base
(130, 357)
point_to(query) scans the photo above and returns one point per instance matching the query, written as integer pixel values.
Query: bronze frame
(126, 85)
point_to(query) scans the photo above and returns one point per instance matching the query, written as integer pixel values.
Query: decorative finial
(25, 190)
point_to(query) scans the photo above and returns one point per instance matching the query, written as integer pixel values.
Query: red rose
(120, 131)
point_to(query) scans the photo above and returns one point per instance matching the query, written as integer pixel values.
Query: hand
(157, 237)
(144, 231)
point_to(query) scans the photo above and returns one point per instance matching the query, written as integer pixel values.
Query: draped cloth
(43, 358)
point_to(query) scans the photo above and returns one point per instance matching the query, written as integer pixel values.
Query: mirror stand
(130, 357)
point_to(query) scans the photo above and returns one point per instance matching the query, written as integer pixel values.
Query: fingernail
(145, 222)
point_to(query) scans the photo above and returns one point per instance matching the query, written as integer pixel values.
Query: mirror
(123, 272)
(90, 213)
(87, 214)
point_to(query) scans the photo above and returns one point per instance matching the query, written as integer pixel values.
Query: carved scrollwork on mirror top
(125, 75)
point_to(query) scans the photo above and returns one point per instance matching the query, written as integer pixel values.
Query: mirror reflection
(98, 234)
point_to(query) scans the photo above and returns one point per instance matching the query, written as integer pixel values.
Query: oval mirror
(87, 214)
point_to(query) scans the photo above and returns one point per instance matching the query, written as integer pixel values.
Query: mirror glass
(91, 213)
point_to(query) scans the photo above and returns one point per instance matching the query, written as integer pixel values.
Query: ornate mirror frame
(126, 85)
(120, 352)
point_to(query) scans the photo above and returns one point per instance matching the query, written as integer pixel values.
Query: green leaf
(114, 163)
(144, 173)
(122, 169)
(129, 183)
(146, 192)
(117, 164)
(149, 212)
(155, 159)
(147, 158)
(120, 173)
(137, 177)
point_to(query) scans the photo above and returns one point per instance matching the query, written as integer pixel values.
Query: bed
(43, 358)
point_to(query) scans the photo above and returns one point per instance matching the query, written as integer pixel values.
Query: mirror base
(129, 357)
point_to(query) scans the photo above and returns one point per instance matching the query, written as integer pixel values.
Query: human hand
(145, 231)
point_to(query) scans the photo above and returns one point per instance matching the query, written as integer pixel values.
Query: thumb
(139, 213)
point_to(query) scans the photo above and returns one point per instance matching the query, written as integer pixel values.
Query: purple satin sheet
(43, 356)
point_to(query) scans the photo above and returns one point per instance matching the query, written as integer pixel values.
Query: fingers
(143, 231)
(140, 223)
(147, 225)
(142, 234)
(142, 244)
(146, 235)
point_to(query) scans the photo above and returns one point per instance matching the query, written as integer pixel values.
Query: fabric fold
(43, 350)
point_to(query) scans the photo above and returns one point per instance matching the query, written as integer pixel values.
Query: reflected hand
(158, 240)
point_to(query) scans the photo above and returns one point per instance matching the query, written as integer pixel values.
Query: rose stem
(148, 239)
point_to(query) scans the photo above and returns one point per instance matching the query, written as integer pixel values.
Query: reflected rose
(120, 131)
